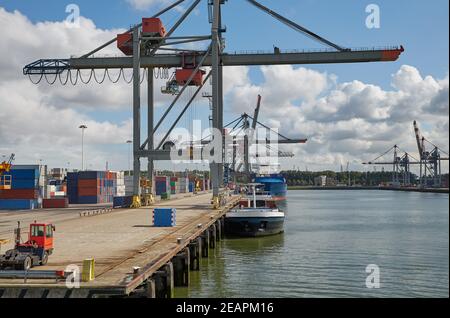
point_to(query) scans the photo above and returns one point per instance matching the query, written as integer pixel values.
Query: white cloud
(351, 121)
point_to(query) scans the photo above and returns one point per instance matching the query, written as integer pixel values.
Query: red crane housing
(151, 27)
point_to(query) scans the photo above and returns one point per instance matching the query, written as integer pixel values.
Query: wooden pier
(132, 257)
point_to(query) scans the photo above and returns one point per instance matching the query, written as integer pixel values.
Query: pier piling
(212, 236)
(181, 268)
(205, 244)
(164, 281)
(218, 230)
(194, 252)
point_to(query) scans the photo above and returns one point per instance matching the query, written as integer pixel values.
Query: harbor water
(330, 238)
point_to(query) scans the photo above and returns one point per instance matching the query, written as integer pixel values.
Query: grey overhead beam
(289, 141)
(158, 155)
(175, 60)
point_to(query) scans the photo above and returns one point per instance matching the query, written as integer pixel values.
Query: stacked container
(162, 185)
(183, 185)
(173, 185)
(72, 187)
(25, 189)
(128, 181)
(120, 186)
(91, 187)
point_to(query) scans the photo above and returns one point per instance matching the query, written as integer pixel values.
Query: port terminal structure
(127, 255)
(149, 52)
(429, 160)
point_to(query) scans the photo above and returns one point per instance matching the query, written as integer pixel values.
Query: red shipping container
(88, 183)
(24, 194)
(153, 26)
(88, 192)
(55, 203)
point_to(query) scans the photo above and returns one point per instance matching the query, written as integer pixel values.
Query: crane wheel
(44, 260)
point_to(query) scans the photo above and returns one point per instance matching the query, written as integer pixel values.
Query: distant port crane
(141, 45)
(430, 160)
(401, 165)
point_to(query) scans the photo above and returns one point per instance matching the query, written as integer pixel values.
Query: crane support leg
(136, 117)
(150, 124)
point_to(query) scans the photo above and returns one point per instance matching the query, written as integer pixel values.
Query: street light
(82, 127)
(129, 142)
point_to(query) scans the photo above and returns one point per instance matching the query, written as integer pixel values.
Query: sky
(349, 113)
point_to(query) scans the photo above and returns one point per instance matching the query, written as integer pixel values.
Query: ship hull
(247, 224)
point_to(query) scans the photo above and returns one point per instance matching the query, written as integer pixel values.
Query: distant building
(320, 181)
(331, 182)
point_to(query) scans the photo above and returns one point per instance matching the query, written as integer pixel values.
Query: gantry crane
(243, 136)
(143, 46)
(401, 165)
(430, 161)
(5, 179)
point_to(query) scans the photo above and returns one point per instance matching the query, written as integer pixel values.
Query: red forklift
(34, 252)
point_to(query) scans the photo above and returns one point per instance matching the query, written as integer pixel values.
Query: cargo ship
(255, 215)
(274, 184)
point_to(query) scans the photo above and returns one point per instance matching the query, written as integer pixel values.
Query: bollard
(88, 270)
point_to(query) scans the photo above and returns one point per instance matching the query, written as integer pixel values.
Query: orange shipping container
(19, 194)
(88, 192)
(88, 183)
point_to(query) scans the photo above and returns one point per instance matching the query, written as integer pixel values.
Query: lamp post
(129, 142)
(82, 127)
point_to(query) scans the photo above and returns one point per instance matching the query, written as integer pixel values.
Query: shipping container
(122, 202)
(30, 194)
(17, 204)
(164, 217)
(55, 203)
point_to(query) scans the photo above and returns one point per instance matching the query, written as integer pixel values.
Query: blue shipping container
(24, 174)
(164, 217)
(73, 199)
(122, 202)
(21, 184)
(18, 204)
(88, 200)
(82, 175)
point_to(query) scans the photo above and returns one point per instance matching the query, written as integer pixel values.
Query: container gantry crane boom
(144, 53)
(296, 26)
